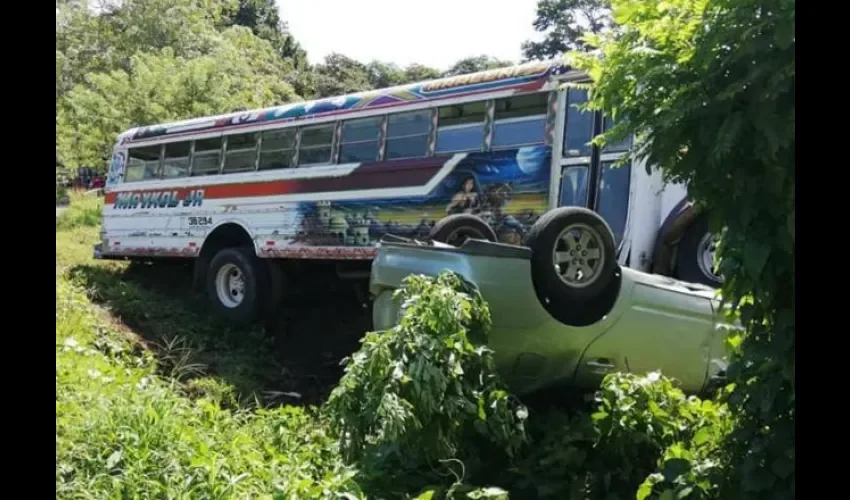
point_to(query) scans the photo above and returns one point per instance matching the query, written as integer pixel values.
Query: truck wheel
(236, 279)
(573, 255)
(695, 255)
(457, 228)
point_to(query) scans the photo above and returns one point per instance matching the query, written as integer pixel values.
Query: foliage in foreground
(124, 432)
(426, 391)
(638, 440)
(424, 400)
(709, 88)
(129, 426)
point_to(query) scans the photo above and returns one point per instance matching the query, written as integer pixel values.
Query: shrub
(84, 211)
(709, 88)
(426, 391)
(642, 428)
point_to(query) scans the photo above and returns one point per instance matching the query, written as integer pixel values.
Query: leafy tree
(709, 86)
(418, 72)
(475, 64)
(339, 74)
(137, 62)
(262, 17)
(383, 74)
(243, 71)
(563, 23)
(88, 41)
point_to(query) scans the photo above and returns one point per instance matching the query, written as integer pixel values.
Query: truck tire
(457, 228)
(695, 254)
(236, 282)
(573, 256)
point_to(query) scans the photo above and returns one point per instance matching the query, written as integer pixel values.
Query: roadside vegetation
(155, 399)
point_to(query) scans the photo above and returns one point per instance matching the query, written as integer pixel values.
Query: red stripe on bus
(407, 173)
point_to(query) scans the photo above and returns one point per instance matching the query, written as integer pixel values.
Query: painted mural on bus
(507, 189)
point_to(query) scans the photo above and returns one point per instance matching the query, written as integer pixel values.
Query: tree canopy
(125, 63)
(563, 24)
(709, 88)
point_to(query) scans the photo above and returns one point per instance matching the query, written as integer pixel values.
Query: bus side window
(277, 148)
(176, 161)
(520, 121)
(574, 186)
(360, 140)
(617, 147)
(407, 135)
(143, 163)
(241, 155)
(579, 128)
(207, 157)
(315, 147)
(461, 127)
(612, 198)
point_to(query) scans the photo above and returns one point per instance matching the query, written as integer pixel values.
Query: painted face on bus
(468, 185)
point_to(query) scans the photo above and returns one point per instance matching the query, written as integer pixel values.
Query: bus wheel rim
(230, 286)
(705, 256)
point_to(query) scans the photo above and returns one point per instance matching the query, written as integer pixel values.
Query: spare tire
(457, 228)
(573, 255)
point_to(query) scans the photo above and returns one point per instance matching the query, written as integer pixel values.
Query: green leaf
(644, 490)
(674, 468)
(702, 436)
(755, 257)
(426, 495)
(685, 492)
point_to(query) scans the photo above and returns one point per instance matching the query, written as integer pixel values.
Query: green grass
(84, 211)
(154, 400)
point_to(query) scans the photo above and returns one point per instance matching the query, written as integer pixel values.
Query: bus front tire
(573, 255)
(235, 282)
(457, 228)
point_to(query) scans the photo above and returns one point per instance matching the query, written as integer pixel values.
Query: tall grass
(84, 211)
(128, 427)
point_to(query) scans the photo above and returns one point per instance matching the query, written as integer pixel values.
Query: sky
(435, 33)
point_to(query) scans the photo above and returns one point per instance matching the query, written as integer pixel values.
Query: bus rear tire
(457, 228)
(235, 283)
(695, 255)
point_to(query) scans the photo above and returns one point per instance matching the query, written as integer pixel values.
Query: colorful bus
(252, 195)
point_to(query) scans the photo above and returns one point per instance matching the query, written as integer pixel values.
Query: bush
(642, 428)
(61, 194)
(709, 89)
(84, 211)
(426, 391)
(421, 407)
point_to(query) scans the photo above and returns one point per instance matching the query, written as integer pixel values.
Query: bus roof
(529, 76)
